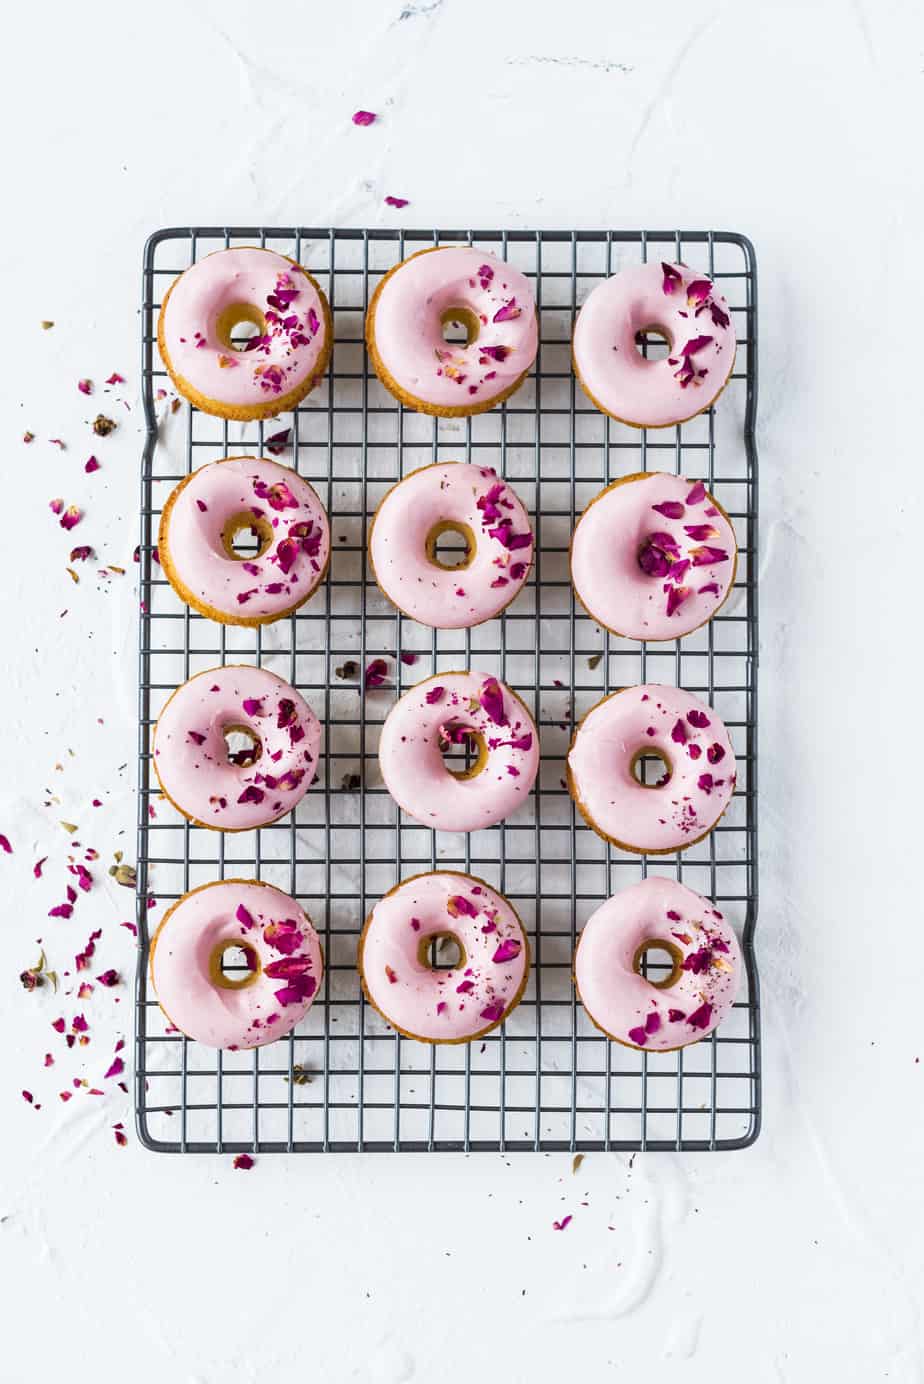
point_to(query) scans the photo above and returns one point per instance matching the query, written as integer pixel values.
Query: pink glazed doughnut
(278, 366)
(443, 1005)
(191, 757)
(676, 303)
(692, 744)
(208, 509)
(698, 992)
(409, 310)
(653, 556)
(456, 497)
(281, 952)
(447, 709)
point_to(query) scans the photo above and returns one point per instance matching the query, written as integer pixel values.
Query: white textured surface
(798, 124)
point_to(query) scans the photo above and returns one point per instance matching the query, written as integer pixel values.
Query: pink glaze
(440, 710)
(282, 953)
(258, 587)
(704, 982)
(686, 308)
(408, 327)
(688, 734)
(652, 557)
(191, 756)
(456, 493)
(276, 362)
(447, 1006)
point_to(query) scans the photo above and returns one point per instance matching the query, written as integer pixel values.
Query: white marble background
(797, 123)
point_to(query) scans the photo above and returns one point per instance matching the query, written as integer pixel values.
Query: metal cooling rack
(547, 1080)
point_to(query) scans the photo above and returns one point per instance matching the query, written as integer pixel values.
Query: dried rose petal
(278, 442)
(109, 978)
(699, 719)
(252, 795)
(458, 904)
(638, 1036)
(434, 695)
(676, 596)
(711, 586)
(563, 1223)
(509, 312)
(653, 1022)
(697, 493)
(507, 950)
(376, 673)
(695, 344)
(85, 386)
(71, 517)
(82, 554)
(116, 1068)
(679, 733)
(492, 701)
(396, 201)
(493, 1011)
(671, 509)
(283, 936)
(719, 317)
(5, 845)
(701, 1016)
(243, 1161)
(116, 378)
(672, 278)
(363, 117)
(675, 1015)
(698, 291)
(715, 754)
(244, 916)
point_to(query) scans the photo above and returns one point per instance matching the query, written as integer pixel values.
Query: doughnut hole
(464, 751)
(233, 965)
(441, 951)
(245, 536)
(650, 768)
(653, 959)
(460, 326)
(451, 545)
(238, 324)
(653, 342)
(244, 745)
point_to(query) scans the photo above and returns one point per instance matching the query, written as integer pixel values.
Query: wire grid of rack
(547, 1080)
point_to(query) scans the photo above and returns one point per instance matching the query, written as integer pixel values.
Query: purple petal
(672, 278)
(671, 509)
(507, 950)
(492, 701)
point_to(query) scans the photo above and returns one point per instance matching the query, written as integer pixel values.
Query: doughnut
(467, 500)
(669, 300)
(443, 1003)
(451, 708)
(472, 290)
(281, 956)
(659, 1015)
(283, 515)
(653, 556)
(273, 370)
(244, 789)
(695, 787)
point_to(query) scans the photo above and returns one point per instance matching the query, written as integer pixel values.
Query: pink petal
(363, 117)
(396, 201)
